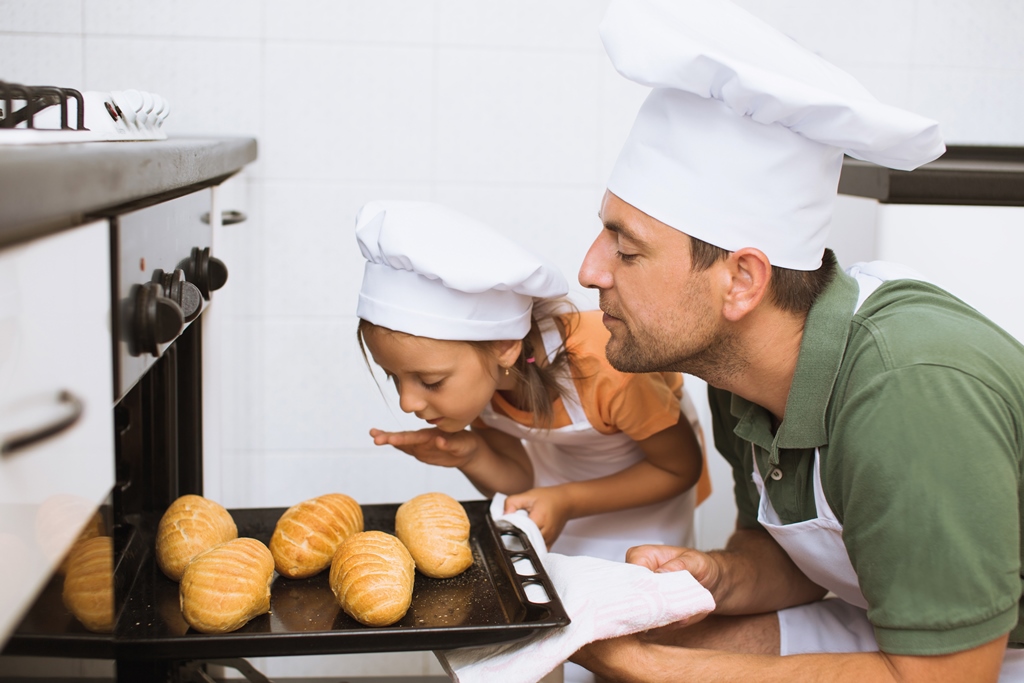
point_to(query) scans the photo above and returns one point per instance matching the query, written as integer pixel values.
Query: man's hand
(663, 558)
(548, 509)
(432, 446)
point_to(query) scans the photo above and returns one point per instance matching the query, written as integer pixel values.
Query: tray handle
(527, 571)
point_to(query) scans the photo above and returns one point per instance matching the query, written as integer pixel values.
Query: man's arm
(752, 575)
(629, 659)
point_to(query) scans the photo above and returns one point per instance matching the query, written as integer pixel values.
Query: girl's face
(446, 383)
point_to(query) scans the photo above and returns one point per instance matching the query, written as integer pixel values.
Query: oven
(155, 226)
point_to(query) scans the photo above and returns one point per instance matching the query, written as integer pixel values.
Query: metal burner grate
(32, 99)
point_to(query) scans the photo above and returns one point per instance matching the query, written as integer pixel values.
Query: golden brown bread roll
(189, 526)
(226, 586)
(89, 583)
(435, 529)
(308, 534)
(96, 526)
(371, 576)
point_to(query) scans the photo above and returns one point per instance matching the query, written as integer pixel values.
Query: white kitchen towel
(603, 599)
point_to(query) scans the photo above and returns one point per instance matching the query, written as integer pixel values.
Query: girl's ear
(507, 351)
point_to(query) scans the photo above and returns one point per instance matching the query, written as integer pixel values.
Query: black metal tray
(486, 604)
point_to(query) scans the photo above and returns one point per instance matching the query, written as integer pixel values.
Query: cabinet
(56, 407)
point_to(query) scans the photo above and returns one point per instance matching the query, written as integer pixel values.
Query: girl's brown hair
(537, 382)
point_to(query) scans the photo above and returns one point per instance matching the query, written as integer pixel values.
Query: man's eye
(626, 257)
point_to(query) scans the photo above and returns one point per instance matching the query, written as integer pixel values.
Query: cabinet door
(56, 404)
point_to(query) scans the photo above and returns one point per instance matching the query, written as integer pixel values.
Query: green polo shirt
(916, 404)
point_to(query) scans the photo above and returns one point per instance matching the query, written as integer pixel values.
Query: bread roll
(435, 529)
(308, 534)
(226, 586)
(372, 576)
(89, 583)
(96, 526)
(190, 525)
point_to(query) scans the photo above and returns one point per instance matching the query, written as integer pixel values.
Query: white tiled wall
(509, 112)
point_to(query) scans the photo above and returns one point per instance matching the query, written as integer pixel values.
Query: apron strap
(570, 397)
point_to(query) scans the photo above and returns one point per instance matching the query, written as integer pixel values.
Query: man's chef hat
(740, 143)
(434, 272)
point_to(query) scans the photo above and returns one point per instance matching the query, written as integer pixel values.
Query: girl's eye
(625, 257)
(433, 387)
(391, 378)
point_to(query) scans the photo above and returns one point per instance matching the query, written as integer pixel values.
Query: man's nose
(594, 272)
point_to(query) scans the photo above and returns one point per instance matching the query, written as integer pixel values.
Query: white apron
(816, 545)
(579, 452)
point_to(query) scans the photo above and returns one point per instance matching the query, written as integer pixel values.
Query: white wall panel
(392, 22)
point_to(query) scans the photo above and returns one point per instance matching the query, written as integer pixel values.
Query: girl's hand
(548, 509)
(431, 446)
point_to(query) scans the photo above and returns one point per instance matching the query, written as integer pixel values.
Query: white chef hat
(741, 141)
(434, 272)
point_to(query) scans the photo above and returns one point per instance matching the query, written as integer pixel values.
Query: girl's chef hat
(434, 272)
(740, 143)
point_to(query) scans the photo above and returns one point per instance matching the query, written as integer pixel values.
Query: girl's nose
(410, 401)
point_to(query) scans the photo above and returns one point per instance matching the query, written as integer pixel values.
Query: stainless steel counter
(48, 188)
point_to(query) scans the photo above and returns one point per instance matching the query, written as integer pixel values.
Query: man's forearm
(757, 576)
(629, 660)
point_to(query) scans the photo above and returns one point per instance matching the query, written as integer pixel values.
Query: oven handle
(20, 441)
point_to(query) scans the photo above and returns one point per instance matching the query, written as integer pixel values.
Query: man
(874, 423)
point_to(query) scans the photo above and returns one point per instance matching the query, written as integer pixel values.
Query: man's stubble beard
(712, 354)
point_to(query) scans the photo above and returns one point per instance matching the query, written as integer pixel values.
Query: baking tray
(488, 603)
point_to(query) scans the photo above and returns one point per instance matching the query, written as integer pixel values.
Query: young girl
(480, 342)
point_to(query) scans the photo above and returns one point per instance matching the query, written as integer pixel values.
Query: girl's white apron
(816, 545)
(579, 452)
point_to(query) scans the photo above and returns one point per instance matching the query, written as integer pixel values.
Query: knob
(155, 319)
(204, 271)
(180, 291)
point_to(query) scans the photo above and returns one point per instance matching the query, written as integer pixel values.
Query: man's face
(661, 313)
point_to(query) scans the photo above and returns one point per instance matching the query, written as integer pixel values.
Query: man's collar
(821, 352)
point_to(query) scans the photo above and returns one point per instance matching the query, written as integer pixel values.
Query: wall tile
(316, 390)
(845, 32)
(620, 101)
(242, 383)
(513, 117)
(970, 33)
(394, 22)
(281, 478)
(348, 113)
(203, 100)
(974, 106)
(41, 16)
(42, 60)
(312, 264)
(184, 18)
(565, 25)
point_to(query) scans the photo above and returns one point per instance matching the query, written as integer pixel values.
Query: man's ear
(507, 351)
(748, 272)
